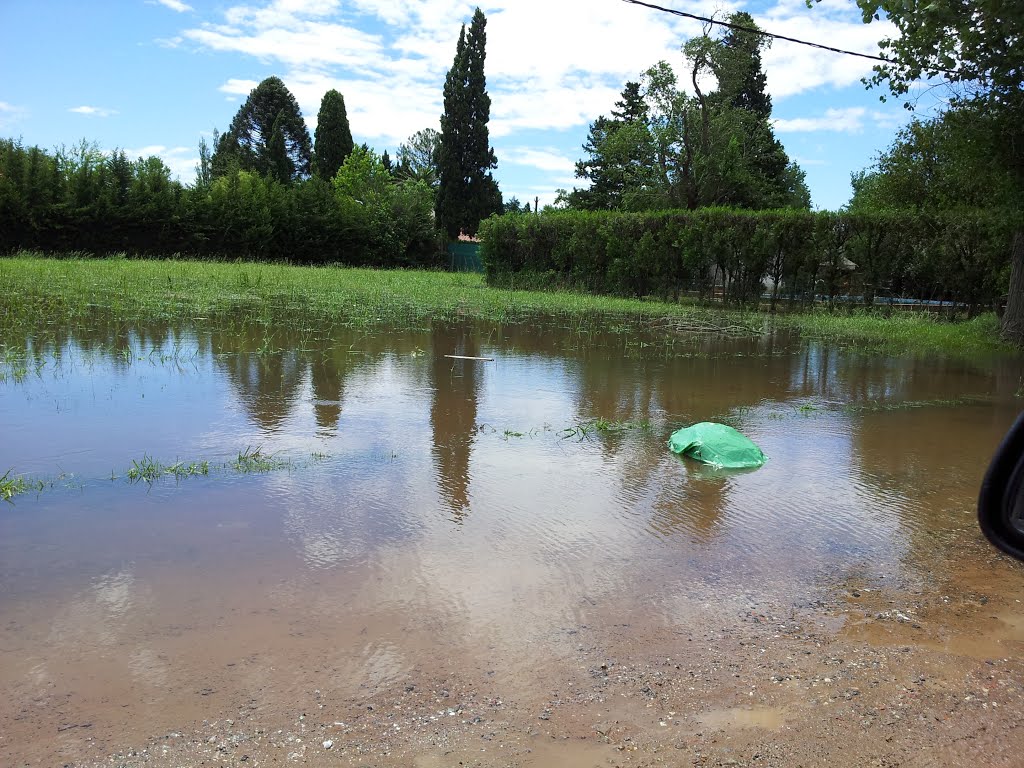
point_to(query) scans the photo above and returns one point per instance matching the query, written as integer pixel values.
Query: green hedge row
(745, 256)
(84, 201)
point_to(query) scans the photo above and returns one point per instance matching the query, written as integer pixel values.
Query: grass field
(40, 292)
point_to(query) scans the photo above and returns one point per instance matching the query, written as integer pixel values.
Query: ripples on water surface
(436, 504)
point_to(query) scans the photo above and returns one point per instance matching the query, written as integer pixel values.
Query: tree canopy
(937, 164)
(977, 48)
(247, 142)
(663, 148)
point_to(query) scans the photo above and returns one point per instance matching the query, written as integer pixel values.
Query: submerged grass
(64, 292)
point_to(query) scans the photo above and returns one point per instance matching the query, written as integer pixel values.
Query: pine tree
(417, 157)
(246, 144)
(631, 107)
(467, 191)
(613, 158)
(333, 141)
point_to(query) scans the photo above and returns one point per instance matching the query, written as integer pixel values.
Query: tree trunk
(1013, 318)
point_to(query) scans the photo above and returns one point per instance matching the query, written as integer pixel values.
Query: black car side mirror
(1001, 501)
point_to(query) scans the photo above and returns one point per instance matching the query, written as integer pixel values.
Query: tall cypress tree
(450, 208)
(333, 142)
(467, 191)
(484, 197)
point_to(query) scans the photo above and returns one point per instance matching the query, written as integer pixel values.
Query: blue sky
(154, 76)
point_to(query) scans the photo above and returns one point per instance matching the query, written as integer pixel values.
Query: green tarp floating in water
(718, 445)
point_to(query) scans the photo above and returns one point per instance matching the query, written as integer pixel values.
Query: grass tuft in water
(13, 486)
(906, 405)
(254, 460)
(148, 469)
(601, 425)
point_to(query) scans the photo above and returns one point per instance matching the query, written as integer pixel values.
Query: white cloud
(182, 161)
(10, 114)
(544, 159)
(238, 87)
(93, 111)
(539, 76)
(894, 119)
(174, 5)
(300, 44)
(792, 68)
(845, 120)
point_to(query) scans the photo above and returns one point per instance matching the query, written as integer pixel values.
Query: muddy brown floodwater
(473, 563)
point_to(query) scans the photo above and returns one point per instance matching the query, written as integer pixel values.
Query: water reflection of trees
(269, 369)
(265, 370)
(455, 387)
(328, 369)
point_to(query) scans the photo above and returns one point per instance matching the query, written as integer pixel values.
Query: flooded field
(248, 547)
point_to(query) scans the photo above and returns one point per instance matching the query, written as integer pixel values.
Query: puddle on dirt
(413, 523)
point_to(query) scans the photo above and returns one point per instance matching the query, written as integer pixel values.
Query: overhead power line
(761, 32)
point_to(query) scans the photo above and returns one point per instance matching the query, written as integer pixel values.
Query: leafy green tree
(392, 223)
(631, 107)
(333, 141)
(512, 205)
(363, 179)
(977, 48)
(119, 178)
(773, 181)
(246, 144)
(467, 191)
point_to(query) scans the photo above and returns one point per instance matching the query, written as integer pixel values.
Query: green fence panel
(465, 257)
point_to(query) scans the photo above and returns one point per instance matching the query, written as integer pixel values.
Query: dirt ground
(867, 677)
